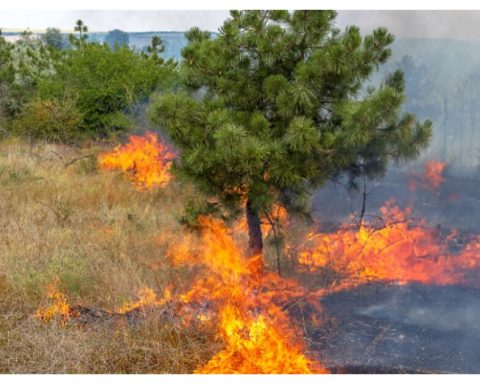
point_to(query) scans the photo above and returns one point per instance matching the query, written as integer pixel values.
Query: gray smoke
(461, 25)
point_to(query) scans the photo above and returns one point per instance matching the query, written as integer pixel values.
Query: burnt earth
(388, 328)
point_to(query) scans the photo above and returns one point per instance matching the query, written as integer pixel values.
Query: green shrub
(55, 120)
(109, 84)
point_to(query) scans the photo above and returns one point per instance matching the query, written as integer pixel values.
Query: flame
(399, 250)
(434, 174)
(255, 346)
(58, 309)
(278, 216)
(231, 292)
(255, 329)
(145, 159)
(147, 298)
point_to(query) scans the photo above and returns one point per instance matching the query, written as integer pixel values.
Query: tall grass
(100, 239)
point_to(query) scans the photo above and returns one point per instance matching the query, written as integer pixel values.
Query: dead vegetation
(100, 240)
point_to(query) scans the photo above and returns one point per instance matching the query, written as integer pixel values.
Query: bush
(55, 120)
(109, 83)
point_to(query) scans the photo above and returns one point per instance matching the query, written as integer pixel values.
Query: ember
(145, 159)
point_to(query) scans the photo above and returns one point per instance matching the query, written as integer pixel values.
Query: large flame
(232, 292)
(248, 305)
(145, 159)
(256, 345)
(394, 249)
(256, 331)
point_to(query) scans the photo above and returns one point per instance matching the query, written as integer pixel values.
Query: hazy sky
(421, 24)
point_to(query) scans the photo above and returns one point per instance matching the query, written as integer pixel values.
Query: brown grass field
(100, 240)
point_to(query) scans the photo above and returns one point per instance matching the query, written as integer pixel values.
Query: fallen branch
(77, 159)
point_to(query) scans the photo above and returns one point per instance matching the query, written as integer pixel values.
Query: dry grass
(99, 238)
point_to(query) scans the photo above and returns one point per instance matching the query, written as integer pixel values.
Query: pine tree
(276, 103)
(156, 47)
(82, 30)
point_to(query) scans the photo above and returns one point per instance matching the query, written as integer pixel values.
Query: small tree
(7, 77)
(117, 38)
(275, 104)
(82, 30)
(155, 48)
(53, 38)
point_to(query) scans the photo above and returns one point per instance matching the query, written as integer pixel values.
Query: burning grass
(95, 235)
(100, 239)
(256, 332)
(145, 159)
(79, 242)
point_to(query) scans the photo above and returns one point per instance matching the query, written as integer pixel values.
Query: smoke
(105, 20)
(460, 25)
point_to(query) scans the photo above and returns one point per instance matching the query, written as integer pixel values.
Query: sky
(461, 25)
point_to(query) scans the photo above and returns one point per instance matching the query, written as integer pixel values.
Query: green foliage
(117, 38)
(155, 49)
(53, 120)
(54, 39)
(105, 86)
(7, 102)
(82, 38)
(22, 65)
(109, 83)
(276, 104)
(31, 62)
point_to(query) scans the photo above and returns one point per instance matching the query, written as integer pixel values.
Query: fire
(255, 346)
(58, 309)
(246, 305)
(398, 250)
(434, 174)
(255, 329)
(147, 298)
(145, 159)
(277, 216)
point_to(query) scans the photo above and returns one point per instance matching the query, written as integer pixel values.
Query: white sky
(464, 25)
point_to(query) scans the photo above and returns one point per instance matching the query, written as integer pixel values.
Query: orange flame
(397, 251)
(434, 174)
(257, 333)
(147, 298)
(145, 159)
(58, 309)
(253, 345)
(278, 216)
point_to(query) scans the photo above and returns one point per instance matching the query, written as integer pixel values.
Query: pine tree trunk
(255, 243)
